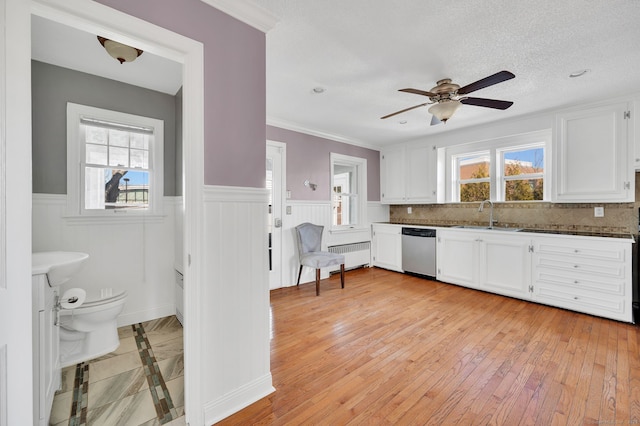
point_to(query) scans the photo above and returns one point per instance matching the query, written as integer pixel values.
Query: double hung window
(348, 191)
(506, 169)
(114, 162)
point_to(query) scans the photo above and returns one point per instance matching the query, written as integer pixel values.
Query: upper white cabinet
(591, 155)
(408, 174)
(635, 135)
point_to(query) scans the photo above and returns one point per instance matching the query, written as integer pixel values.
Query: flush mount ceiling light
(119, 51)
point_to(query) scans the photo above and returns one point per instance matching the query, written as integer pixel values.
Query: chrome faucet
(490, 212)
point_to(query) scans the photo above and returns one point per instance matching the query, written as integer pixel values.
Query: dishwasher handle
(419, 232)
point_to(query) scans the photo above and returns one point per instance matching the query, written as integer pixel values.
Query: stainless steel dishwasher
(419, 251)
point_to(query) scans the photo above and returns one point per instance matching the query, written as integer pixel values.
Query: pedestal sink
(59, 266)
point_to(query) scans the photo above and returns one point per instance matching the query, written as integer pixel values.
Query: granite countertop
(532, 230)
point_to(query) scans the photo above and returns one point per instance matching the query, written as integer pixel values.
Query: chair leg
(342, 275)
(317, 282)
(299, 273)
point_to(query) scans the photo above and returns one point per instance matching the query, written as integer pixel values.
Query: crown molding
(287, 125)
(247, 12)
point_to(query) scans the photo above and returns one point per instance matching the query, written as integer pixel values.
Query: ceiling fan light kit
(121, 52)
(447, 97)
(445, 109)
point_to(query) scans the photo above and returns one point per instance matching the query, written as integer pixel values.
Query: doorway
(276, 186)
(93, 17)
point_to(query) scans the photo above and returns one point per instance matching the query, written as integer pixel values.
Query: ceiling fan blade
(488, 103)
(496, 78)
(434, 120)
(418, 92)
(404, 110)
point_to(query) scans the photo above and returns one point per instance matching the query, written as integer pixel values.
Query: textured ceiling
(363, 51)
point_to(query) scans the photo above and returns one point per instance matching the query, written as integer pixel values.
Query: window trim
(361, 203)
(75, 151)
(496, 149)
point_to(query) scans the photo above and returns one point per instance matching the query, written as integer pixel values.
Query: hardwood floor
(392, 349)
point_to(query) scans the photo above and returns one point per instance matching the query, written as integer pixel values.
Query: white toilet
(91, 330)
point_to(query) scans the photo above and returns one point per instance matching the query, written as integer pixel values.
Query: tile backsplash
(619, 218)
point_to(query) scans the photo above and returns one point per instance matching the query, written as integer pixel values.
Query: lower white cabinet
(505, 264)
(495, 261)
(386, 250)
(46, 348)
(593, 277)
(456, 257)
(585, 274)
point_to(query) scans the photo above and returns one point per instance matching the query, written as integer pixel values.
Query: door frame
(111, 23)
(283, 197)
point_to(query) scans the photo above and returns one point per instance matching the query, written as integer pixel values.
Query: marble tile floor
(141, 383)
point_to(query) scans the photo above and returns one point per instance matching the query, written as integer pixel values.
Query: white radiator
(356, 255)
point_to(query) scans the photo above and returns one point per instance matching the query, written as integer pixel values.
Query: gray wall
(308, 157)
(52, 87)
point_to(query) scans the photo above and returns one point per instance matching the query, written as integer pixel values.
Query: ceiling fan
(447, 97)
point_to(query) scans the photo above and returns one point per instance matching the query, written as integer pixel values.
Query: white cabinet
(495, 261)
(46, 348)
(456, 257)
(635, 134)
(586, 276)
(408, 174)
(386, 249)
(592, 159)
(590, 275)
(505, 264)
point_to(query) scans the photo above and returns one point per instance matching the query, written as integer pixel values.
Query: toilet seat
(96, 297)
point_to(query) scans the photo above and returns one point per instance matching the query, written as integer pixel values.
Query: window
(474, 176)
(506, 169)
(348, 191)
(114, 162)
(522, 173)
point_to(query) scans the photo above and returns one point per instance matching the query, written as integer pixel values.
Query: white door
(275, 182)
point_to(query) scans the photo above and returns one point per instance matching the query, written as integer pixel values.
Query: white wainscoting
(131, 255)
(319, 213)
(235, 300)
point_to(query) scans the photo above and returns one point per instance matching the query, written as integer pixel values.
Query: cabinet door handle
(576, 282)
(576, 251)
(575, 297)
(575, 266)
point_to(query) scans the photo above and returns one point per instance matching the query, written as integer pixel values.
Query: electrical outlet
(598, 212)
(288, 209)
(409, 210)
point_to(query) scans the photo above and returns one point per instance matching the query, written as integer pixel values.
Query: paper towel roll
(73, 298)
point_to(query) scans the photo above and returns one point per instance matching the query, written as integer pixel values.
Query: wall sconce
(119, 51)
(308, 184)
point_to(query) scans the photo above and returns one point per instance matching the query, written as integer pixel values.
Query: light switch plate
(288, 194)
(598, 212)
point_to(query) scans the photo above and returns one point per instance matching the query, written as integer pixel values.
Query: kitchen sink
(495, 228)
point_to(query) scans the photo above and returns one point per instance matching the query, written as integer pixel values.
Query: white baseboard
(146, 315)
(223, 407)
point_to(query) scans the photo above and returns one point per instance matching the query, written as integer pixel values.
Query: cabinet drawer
(590, 302)
(580, 266)
(579, 282)
(592, 251)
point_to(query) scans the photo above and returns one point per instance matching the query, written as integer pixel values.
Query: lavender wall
(234, 73)
(308, 158)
